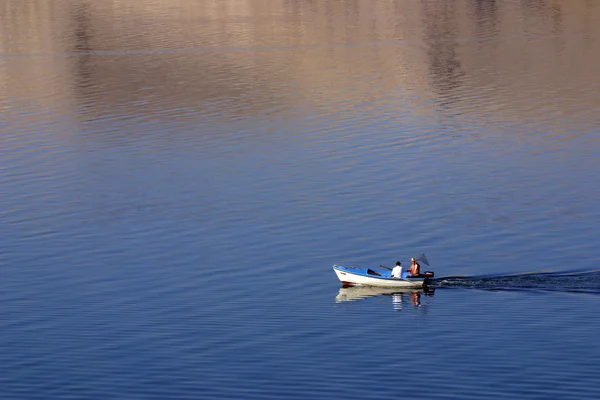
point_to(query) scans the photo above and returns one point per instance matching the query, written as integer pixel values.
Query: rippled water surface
(178, 177)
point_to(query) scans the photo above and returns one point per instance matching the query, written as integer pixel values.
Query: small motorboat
(351, 276)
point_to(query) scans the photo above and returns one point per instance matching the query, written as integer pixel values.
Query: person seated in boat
(397, 271)
(415, 268)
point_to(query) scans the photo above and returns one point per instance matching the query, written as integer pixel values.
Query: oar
(383, 266)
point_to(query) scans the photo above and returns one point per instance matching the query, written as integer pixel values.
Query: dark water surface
(178, 177)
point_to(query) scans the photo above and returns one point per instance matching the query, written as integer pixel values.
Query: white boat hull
(347, 277)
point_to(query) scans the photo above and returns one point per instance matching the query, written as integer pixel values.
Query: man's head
(397, 263)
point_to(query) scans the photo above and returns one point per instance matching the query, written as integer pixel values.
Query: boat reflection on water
(400, 297)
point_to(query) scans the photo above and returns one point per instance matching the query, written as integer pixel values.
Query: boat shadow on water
(401, 297)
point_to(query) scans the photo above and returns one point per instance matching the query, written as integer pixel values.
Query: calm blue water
(177, 180)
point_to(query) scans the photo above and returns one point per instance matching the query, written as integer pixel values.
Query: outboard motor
(428, 277)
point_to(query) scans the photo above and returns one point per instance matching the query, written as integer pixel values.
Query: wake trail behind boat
(569, 281)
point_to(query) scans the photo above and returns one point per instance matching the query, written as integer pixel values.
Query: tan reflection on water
(515, 60)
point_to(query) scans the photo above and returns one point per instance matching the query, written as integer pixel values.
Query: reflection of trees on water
(252, 57)
(558, 28)
(550, 14)
(82, 38)
(486, 17)
(547, 9)
(557, 18)
(440, 35)
(137, 68)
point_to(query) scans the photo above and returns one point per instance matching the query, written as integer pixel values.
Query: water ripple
(580, 282)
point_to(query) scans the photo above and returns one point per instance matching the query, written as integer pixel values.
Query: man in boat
(397, 271)
(415, 268)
